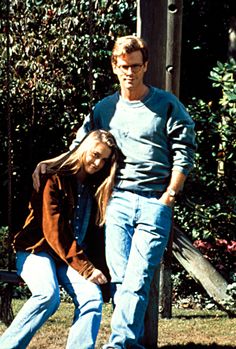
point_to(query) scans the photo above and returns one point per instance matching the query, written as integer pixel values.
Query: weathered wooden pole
(152, 27)
(173, 56)
(159, 23)
(173, 45)
(200, 268)
(165, 299)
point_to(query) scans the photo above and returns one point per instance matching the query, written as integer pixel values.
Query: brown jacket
(48, 226)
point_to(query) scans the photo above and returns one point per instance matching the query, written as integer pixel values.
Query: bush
(59, 64)
(207, 209)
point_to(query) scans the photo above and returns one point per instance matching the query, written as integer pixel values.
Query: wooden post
(9, 277)
(200, 268)
(151, 317)
(152, 27)
(159, 23)
(173, 45)
(165, 302)
(173, 55)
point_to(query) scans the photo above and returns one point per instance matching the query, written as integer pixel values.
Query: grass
(195, 329)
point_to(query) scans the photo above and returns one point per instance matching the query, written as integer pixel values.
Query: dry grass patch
(204, 329)
(199, 327)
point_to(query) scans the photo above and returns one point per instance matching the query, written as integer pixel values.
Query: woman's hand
(98, 277)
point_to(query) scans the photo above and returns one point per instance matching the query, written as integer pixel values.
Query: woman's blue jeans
(43, 277)
(137, 232)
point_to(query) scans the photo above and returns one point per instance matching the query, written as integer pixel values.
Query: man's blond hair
(129, 44)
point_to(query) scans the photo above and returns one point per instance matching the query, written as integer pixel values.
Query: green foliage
(207, 208)
(205, 39)
(223, 76)
(59, 65)
(4, 247)
(231, 291)
(7, 260)
(53, 51)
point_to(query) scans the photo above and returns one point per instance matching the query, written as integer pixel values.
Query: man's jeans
(43, 277)
(137, 232)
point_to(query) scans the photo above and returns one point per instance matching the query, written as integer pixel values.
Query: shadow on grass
(204, 316)
(198, 346)
(200, 316)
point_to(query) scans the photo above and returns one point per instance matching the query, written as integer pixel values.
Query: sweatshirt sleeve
(180, 128)
(58, 232)
(81, 133)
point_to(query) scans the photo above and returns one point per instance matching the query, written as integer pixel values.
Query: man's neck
(135, 94)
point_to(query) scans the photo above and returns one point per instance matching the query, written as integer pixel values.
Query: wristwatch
(171, 192)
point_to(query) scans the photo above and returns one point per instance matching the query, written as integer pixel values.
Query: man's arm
(41, 168)
(81, 133)
(175, 186)
(180, 129)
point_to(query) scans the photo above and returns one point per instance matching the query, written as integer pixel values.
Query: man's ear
(114, 68)
(145, 66)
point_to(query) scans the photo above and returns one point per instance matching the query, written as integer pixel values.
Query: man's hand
(41, 168)
(167, 200)
(98, 277)
(176, 184)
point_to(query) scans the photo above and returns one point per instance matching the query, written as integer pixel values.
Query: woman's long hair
(72, 162)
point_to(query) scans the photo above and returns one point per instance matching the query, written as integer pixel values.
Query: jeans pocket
(164, 205)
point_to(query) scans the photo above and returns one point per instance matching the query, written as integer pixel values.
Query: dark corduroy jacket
(48, 226)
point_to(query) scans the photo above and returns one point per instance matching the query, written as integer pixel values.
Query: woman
(48, 249)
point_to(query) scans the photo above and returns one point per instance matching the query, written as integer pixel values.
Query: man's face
(130, 70)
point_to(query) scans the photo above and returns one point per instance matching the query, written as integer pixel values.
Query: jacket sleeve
(58, 232)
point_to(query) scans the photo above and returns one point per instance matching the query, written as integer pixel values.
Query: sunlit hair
(72, 162)
(129, 44)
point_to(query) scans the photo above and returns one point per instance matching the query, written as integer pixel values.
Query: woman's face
(96, 157)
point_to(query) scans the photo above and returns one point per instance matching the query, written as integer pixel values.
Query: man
(156, 136)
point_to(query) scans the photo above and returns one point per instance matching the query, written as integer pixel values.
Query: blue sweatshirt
(155, 135)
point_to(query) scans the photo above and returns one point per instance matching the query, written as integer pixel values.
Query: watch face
(171, 192)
